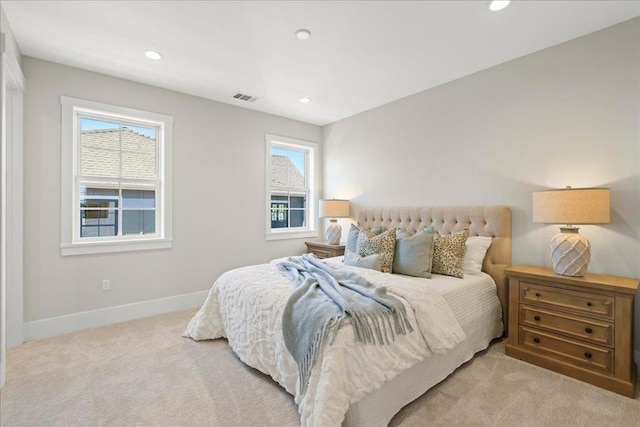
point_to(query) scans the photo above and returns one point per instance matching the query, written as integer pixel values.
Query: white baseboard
(107, 316)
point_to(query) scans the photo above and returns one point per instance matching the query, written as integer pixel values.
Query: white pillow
(475, 250)
(372, 262)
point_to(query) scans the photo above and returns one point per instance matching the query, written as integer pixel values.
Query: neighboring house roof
(101, 154)
(284, 173)
(101, 157)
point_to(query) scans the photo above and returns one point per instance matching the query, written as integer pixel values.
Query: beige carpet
(143, 373)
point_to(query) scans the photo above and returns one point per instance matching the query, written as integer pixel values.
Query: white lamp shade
(334, 208)
(572, 206)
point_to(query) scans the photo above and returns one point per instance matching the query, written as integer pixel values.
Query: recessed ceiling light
(152, 54)
(497, 5)
(305, 100)
(303, 34)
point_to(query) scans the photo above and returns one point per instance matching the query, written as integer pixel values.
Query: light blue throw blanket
(323, 297)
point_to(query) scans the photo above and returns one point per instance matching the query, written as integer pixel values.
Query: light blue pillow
(372, 262)
(352, 237)
(413, 254)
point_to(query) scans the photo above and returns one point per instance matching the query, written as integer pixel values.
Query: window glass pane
(297, 218)
(110, 149)
(288, 211)
(281, 217)
(91, 193)
(138, 222)
(139, 152)
(297, 201)
(98, 211)
(288, 168)
(98, 222)
(104, 198)
(138, 199)
(100, 147)
(297, 213)
(279, 214)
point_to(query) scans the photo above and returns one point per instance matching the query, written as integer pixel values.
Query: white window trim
(311, 230)
(70, 244)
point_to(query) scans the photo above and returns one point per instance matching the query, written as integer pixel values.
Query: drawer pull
(536, 318)
(589, 304)
(537, 294)
(587, 355)
(588, 330)
(536, 340)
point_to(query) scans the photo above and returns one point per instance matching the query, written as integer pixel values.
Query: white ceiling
(360, 55)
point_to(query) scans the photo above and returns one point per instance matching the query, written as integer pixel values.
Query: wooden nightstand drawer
(575, 301)
(595, 331)
(324, 250)
(572, 351)
(320, 253)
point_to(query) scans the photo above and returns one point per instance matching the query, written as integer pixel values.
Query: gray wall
(218, 195)
(567, 115)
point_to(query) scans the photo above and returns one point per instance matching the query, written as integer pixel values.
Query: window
(291, 188)
(116, 189)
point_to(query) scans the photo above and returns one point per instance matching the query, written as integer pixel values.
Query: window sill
(281, 235)
(69, 249)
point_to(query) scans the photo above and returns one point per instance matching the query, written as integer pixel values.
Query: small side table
(323, 250)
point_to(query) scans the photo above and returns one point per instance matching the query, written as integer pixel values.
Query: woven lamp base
(570, 252)
(333, 232)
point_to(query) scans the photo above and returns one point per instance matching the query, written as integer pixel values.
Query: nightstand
(323, 250)
(578, 326)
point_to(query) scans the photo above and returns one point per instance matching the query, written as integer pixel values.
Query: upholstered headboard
(492, 221)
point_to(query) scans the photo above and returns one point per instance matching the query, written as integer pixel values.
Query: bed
(478, 303)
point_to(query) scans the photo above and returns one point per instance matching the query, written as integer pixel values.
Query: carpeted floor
(143, 373)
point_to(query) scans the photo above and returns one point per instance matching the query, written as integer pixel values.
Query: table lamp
(570, 251)
(333, 209)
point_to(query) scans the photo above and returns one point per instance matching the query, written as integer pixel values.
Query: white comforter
(245, 306)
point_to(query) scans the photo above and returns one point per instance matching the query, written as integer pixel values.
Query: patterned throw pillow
(354, 232)
(385, 243)
(448, 252)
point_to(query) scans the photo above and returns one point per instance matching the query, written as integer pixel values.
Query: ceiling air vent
(243, 97)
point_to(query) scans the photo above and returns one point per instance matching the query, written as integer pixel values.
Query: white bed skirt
(479, 313)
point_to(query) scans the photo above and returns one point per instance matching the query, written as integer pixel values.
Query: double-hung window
(116, 178)
(292, 168)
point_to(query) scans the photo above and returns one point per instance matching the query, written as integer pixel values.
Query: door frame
(12, 200)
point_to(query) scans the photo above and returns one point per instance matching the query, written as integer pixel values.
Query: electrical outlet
(106, 285)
